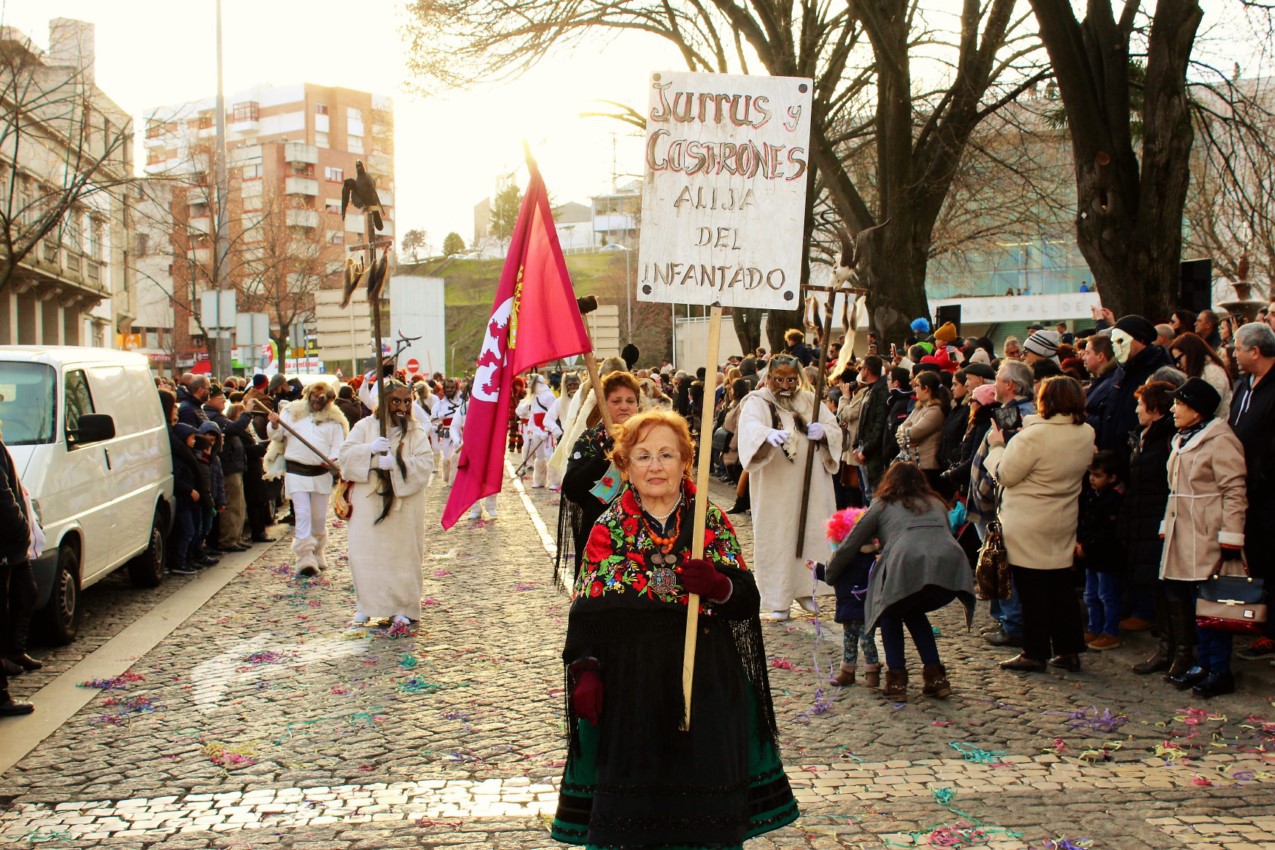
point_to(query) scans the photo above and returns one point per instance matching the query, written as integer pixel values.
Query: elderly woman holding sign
(633, 779)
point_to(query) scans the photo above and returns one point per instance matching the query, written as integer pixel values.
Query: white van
(89, 440)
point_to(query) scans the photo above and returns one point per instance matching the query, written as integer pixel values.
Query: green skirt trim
(771, 804)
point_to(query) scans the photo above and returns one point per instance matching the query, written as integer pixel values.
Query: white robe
(385, 559)
(774, 486)
(324, 430)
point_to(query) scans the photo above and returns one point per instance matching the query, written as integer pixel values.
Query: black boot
(742, 503)
(1159, 660)
(1182, 638)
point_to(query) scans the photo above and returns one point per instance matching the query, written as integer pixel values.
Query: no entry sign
(413, 365)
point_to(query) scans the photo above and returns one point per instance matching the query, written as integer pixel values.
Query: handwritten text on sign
(724, 197)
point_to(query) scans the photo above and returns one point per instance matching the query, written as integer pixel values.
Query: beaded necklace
(664, 576)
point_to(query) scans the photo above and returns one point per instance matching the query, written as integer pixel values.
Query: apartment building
(66, 158)
(288, 150)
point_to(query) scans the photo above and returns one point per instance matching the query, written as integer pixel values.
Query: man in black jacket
(871, 425)
(1133, 342)
(898, 406)
(233, 462)
(1252, 419)
(15, 540)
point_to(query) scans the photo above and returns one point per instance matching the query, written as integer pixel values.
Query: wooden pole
(369, 251)
(587, 304)
(327, 463)
(814, 447)
(701, 508)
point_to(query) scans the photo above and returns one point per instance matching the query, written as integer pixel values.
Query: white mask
(1120, 344)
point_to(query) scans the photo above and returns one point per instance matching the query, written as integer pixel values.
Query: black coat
(1098, 530)
(15, 533)
(953, 434)
(896, 413)
(1120, 413)
(958, 473)
(871, 426)
(234, 448)
(1146, 494)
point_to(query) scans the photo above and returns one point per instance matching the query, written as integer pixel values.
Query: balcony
(301, 186)
(251, 188)
(302, 218)
(245, 117)
(386, 196)
(322, 123)
(354, 223)
(200, 224)
(300, 152)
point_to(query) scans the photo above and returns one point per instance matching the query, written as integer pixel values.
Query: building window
(336, 237)
(333, 207)
(321, 140)
(320, 109)
(155, 157)
(252, 172)
(154, 130)
(95, 238)
(251, 203)
(249, 111)
(356, 144)
(333, 175)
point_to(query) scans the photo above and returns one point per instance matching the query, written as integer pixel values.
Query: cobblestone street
(263, 720)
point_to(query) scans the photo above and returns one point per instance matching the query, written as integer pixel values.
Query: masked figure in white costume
(308, 479)
(387, 524)
(778, 426)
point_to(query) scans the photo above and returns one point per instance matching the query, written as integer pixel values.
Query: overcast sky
(448, 150)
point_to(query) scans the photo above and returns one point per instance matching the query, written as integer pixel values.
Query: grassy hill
(471, 289)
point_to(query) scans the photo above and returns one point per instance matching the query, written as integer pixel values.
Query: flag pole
(587, 304)
(701, 511)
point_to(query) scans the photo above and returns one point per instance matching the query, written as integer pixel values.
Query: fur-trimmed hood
(300, 409)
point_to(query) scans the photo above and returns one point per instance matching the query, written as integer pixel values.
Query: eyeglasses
(644, 460)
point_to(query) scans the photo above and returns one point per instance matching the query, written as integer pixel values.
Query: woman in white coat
(1041, 470)
(1203, 522)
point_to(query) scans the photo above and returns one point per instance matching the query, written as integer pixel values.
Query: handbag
(1231, 603)
(721, 439)
(992, 579)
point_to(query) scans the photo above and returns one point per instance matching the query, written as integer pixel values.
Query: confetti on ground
(126, 707)
(119, 683)
(442, 573)
(408, 661)
(969, 752)
(263, 658)
(523, 587)
(781, 663)
(227, 757)
(419, 686)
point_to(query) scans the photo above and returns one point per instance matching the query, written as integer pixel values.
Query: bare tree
(886, 149)
(284, 265)
(1130, 190)
(62, 144)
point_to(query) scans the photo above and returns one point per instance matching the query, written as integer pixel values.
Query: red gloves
(586, 696)
(700, 576)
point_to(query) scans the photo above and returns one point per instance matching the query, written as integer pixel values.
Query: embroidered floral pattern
(618, 556)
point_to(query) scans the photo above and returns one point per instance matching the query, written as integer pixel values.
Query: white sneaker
(400, 620)
(809, 604)
(476, 514)
(491, 515)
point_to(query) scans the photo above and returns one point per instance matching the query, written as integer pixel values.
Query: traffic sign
(413, 365)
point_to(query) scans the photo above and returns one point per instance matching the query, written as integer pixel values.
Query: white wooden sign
(724, 195)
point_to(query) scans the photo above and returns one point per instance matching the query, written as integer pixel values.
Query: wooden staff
(588, 304)
(327, 464)
(701, 512)
(369, 251)
(814, 447)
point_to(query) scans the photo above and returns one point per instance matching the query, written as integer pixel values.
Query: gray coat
(917, 550)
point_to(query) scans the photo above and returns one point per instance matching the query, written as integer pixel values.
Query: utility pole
(221, 239)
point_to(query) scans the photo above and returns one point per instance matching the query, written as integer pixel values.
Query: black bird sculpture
(361, 191)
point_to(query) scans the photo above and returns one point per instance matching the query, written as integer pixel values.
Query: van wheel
(148, 568)
(62, 614)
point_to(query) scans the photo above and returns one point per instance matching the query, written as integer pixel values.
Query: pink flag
(534, 320)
